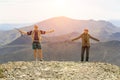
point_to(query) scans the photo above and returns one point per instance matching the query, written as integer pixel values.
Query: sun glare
(60, 4)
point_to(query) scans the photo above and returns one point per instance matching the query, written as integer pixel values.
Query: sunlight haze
(30, 11)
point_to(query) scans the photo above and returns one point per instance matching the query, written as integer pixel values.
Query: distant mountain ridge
(64, 25)
(11, 26)
(115, 22)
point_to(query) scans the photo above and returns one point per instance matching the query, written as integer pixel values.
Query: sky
(32, 11)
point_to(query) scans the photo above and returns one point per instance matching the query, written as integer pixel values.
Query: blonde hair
(86, 30)
(36, 27)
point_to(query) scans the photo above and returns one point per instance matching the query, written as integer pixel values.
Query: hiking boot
(41, 59)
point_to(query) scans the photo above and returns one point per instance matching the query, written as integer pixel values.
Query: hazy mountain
(8, 26)
(115, 22)
(8, 36)
(63, 25)
(115, 36)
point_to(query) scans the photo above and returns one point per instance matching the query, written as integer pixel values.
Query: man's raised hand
(50, 31)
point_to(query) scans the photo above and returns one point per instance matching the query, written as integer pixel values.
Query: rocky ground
(55, 70)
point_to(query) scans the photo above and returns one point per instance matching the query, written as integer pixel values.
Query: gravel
(55, 70)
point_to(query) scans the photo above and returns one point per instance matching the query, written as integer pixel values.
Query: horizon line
(12, 22)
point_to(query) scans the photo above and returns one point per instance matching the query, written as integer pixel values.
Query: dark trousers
(85, 48)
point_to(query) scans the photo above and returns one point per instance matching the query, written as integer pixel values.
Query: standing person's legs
(34, 46)
(87, 53)
(82, 53)
(35, 53)
(40, 54)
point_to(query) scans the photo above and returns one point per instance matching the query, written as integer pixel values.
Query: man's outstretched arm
(94, 38)
(77, 38)
(50, 31)
(21, 31)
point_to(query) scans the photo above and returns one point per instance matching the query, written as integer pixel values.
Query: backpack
(39, 36)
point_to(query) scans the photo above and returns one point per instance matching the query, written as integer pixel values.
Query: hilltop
(54, 70)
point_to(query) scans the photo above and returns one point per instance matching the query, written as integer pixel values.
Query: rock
(24, 67)
(55, 70)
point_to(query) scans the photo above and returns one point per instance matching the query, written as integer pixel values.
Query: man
(85, 43)
(36, 39)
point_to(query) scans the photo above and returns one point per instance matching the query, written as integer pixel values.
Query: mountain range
(103, 30)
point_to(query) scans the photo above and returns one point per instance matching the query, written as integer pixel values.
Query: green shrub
(1, 73)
